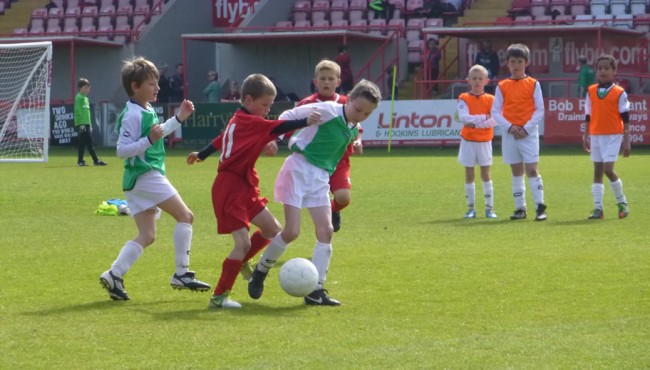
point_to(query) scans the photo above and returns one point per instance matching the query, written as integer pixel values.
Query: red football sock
(338, 207)
(258, 242)
(229, 271)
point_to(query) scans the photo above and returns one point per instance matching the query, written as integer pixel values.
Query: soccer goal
(25, 73)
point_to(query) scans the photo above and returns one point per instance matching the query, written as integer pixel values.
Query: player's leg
(183, 278)
(340, 186)
(81, 144)
(91, 146)
(269, 227)
(597, 187)
(112, 279)
(529, 149)
(229, 271)
(322, 255)
(513, 157)
(467, 158)
(488, 192)
(611, 146)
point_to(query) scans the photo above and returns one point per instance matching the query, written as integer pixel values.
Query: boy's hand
(627, 148)
(157, 131)
(193, 157)
(586, 143)
(357, 146)
(271, 148)
(314, 118)
(186, 110)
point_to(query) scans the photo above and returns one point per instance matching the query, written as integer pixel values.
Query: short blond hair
(328, 65)
(257, 85)
(137, 70)
(477, 68)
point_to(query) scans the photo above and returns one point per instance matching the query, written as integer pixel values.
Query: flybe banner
(227, 13)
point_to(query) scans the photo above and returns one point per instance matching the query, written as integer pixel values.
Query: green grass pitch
(421, 287)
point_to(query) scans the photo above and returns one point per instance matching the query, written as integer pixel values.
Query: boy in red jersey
(476, 143)
(519, 109)
(235, 193)
(607, 124)
(327, 78)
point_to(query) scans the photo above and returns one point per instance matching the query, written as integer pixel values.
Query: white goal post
(25, 78)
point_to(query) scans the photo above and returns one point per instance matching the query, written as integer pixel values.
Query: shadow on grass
(468, 223)
(93, 306)
(249, 309)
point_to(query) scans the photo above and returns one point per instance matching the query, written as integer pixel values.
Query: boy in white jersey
(607, 131)
(303, 181)
(145, 186)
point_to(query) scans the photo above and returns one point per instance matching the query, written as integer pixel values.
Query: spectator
(163, 84)
(212, 92)
(232, 94)
(51, 5)
(177, 85)
(382, 9)
(434, 8)
(431, 63)
(453, 6)
(489, 59)
(347, 77)
(83, 124)
(586, 76)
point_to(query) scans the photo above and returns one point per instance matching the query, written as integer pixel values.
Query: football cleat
(596, 214)
(188, 281)
(256, 284)
(519, 214)
(471, 213)
(336, 221)
(623, 210)
(246, 271)
(222, 301)
(100, 163)
(319, 297)
(81, 164)
(540, 212)
(114, 286)
(490, 214)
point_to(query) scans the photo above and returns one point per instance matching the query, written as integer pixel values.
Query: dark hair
(609, 58)
(82, 82)
(137, 70)
(518, 51)
(257, 85)
(342, 48)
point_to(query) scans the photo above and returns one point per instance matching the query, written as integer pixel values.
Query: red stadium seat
(122, 34)
(283, 26)
(39, 13)
(377, 27)
(359, 25)
(88, 31)
(71, 29)
(414, 28)
(19, 32)
(414, 5)
(560, 6)
(585, 19)
(519, 7)
(414, 51)
(320, 25)
(357, 9)
(301, 9)
(625, 21)
(340, 24)
(538, 7)
(578, 7)
(642, 22)
(338, 10)
(320, 10)
(302, 25)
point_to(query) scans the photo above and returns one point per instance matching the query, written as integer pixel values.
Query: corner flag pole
(392, 107)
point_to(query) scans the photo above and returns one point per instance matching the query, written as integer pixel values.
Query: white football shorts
(472, 153)
(524, 150)
(301, 184)
(151, 188)
(605, 148)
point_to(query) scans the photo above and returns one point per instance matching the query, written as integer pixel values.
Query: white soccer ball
(298, 277)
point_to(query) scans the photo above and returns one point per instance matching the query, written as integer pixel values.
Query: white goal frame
(38, 149)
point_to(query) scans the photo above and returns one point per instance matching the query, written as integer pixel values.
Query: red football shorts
(235, 202)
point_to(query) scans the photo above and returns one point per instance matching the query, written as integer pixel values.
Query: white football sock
(130, 253)
(272, 253)
(488, 193)
(537, 189)
(182, 245)
(598, 190)
(321, 259)
(617, 188)
(470, 195)
(519, 192)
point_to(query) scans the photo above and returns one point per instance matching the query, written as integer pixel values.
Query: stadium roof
(516, 32)
(283, 37)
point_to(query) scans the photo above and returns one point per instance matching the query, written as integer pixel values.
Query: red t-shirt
(241, 143)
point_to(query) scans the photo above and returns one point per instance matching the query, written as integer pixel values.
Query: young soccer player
(519, 109)
(146, 188)
(303, 181)
(235, 193)
(476, 138)
(607, 125)
(327, 78)
(83, 125)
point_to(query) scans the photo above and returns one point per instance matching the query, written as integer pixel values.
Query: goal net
(25, 72)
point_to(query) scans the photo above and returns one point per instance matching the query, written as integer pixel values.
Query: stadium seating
(303, 25)
(413, 6)
(584, 20)
(338, 10)
(543, 20)
(599, 7)
(638, 7)
(377, 27)
(624, 21)
(357, 10)
(578, 7)
(524, 20)
(414, 51)
(342, 24)
(320, 10)
(564, 19)
(301, 10)
(19, 32)
(538, 7)
(323, 24)
(360, 25)
(603, 19)
(559, 6)
(122, 34)
(642, 22)
(2, 8)
(414, 28)
(520, 7)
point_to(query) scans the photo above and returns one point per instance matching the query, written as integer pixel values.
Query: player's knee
(324, 233)
(146, 239)
(186, 217)
(289, 235)
(243, 246)
(271, 231)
